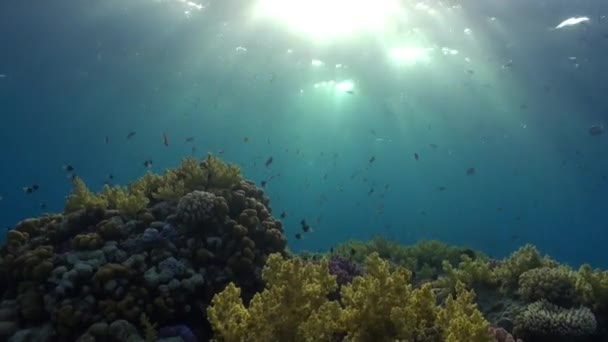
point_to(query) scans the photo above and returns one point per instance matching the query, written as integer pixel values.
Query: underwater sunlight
(329, 19)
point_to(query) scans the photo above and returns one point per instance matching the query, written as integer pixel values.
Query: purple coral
(181, 330)
(344, 269)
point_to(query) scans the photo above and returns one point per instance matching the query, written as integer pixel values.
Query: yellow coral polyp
(128, 202)
(221, 175)
(82, 198)
(378, 306)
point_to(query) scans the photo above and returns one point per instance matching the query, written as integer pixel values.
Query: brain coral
(198, 207)
(542, 320)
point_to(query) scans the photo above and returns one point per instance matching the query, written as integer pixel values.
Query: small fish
(246, 139)
(416, 156)
(29, 189)
(298, 236)
(352, 252)
(131, 135)
(372, 159)
(351, 92)
(42, 206)
(371, 191)
(470, 171)
(596, 130)
(284, 214)
(220, 152)
(189, 139)
(373, 132)
(107, 140)
(331, 250)
(111, 177)
(193, 150)
(325, 176)
(306, 228)
(148, 163)
(165, 139)
(433, 146)
(264, 183)
(1, 198)
(268, 162)
(68, 168)
(303, 222)
(508, 65)
(441, 188)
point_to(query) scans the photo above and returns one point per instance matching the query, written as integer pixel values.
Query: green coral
(592, 288)
(470, 272)
(555, 284)
(520, 261)
(426, 258)
(378, 306)
(221, 174)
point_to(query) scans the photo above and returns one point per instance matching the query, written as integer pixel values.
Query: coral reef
(133, 258)
(195, 254)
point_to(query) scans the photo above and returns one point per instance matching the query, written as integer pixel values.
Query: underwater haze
(477, 123)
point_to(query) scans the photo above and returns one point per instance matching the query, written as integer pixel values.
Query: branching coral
(545, 321)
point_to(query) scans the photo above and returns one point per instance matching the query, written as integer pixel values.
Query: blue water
(512, 104)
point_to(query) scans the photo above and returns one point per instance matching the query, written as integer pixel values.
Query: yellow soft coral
(175, 183)
(82, 198)
(470, 272)
(294, 301)
(378, 306)
(370, 299)
(520, 261)
(127, 202)
(461, 320)
(221, 175)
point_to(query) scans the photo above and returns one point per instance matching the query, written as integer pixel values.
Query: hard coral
(199, 207)
(543, 321)
(554, 284)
